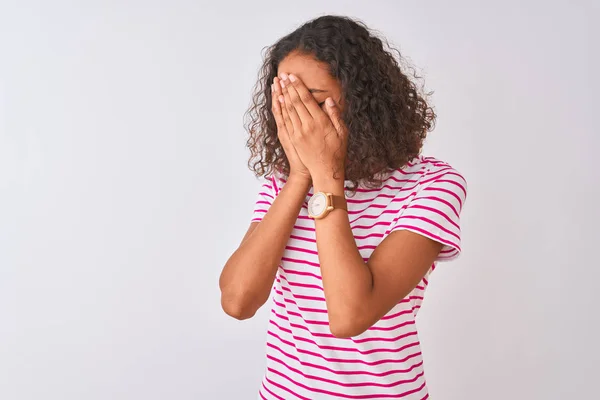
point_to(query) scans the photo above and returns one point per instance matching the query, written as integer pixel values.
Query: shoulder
(427, 171)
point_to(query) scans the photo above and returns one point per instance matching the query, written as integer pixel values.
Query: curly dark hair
(386, 113)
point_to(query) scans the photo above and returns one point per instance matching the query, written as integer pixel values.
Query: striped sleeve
(264, 199)
(435, 212)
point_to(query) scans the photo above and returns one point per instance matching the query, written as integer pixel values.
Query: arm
(358, 294)
(248, 275)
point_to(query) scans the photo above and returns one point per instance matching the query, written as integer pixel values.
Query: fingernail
(284, 75)
(330, 102)
(292, 78)
(281, 99)
(282, 84)
(272, 87)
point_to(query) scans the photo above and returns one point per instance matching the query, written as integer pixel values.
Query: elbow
(346, 326)
(236, 308)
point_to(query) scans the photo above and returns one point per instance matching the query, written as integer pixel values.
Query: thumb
(333, 111)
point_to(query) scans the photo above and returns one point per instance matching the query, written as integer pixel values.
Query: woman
(350, 221)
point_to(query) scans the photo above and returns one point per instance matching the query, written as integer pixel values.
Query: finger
(291, 111)
(307, 98)
(287, 122)
(276, 108)
(333, 111)
(297, 100)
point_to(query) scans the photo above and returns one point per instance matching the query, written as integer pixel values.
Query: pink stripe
(370, 200)
(294, 294)
(352, 372)
(263, 202)
(365, 209)
(302, 273)
(392, 328)
(300, 296)
(303, 285)
(454, 183)
(394, 198)
(340, 360)
(286, 389)
(386, 223)
(315, 310)
(382, 339)
(293, 260)
(261, 395)
(357, 237)
(393, 178)
(303, 238)
(347, 349)
(314, 334)
(310, 240)
(393, 316)
(257, 210)
(343, 384)
(304, 228)
(428, 234)
(445, 191)
(275, 186)
(430, 222)
(402, 199)
(420, 207)
(267, 195)
(347, 396)
(395, 188)
(295, 314)
(280, 316)
(446, 174)
(371, 216)
(303, 250)
(271, 393)
(372, 235)
(449, 256)
(440, 200)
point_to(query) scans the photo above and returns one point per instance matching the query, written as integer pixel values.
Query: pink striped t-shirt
(304, 360)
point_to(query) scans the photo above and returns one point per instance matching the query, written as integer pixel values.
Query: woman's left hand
(319, 136)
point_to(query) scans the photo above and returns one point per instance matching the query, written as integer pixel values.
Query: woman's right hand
(297, 168)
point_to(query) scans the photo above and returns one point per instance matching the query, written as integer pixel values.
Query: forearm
(347, 280)
(248, 275)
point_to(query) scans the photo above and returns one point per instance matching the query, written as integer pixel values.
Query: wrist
(327, 183)
(300, 180)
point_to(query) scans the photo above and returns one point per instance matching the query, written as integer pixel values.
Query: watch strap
(338, 202)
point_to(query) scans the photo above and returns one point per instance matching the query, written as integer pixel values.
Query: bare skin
(312, 133)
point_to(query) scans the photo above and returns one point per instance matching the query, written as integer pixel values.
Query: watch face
(317, 204)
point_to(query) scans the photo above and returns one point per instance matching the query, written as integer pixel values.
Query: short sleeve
(264, 199)
(434, 212)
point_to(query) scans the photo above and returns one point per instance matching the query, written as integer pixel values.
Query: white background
(123, 190)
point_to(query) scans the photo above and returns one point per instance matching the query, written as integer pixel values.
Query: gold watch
(321, 204)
